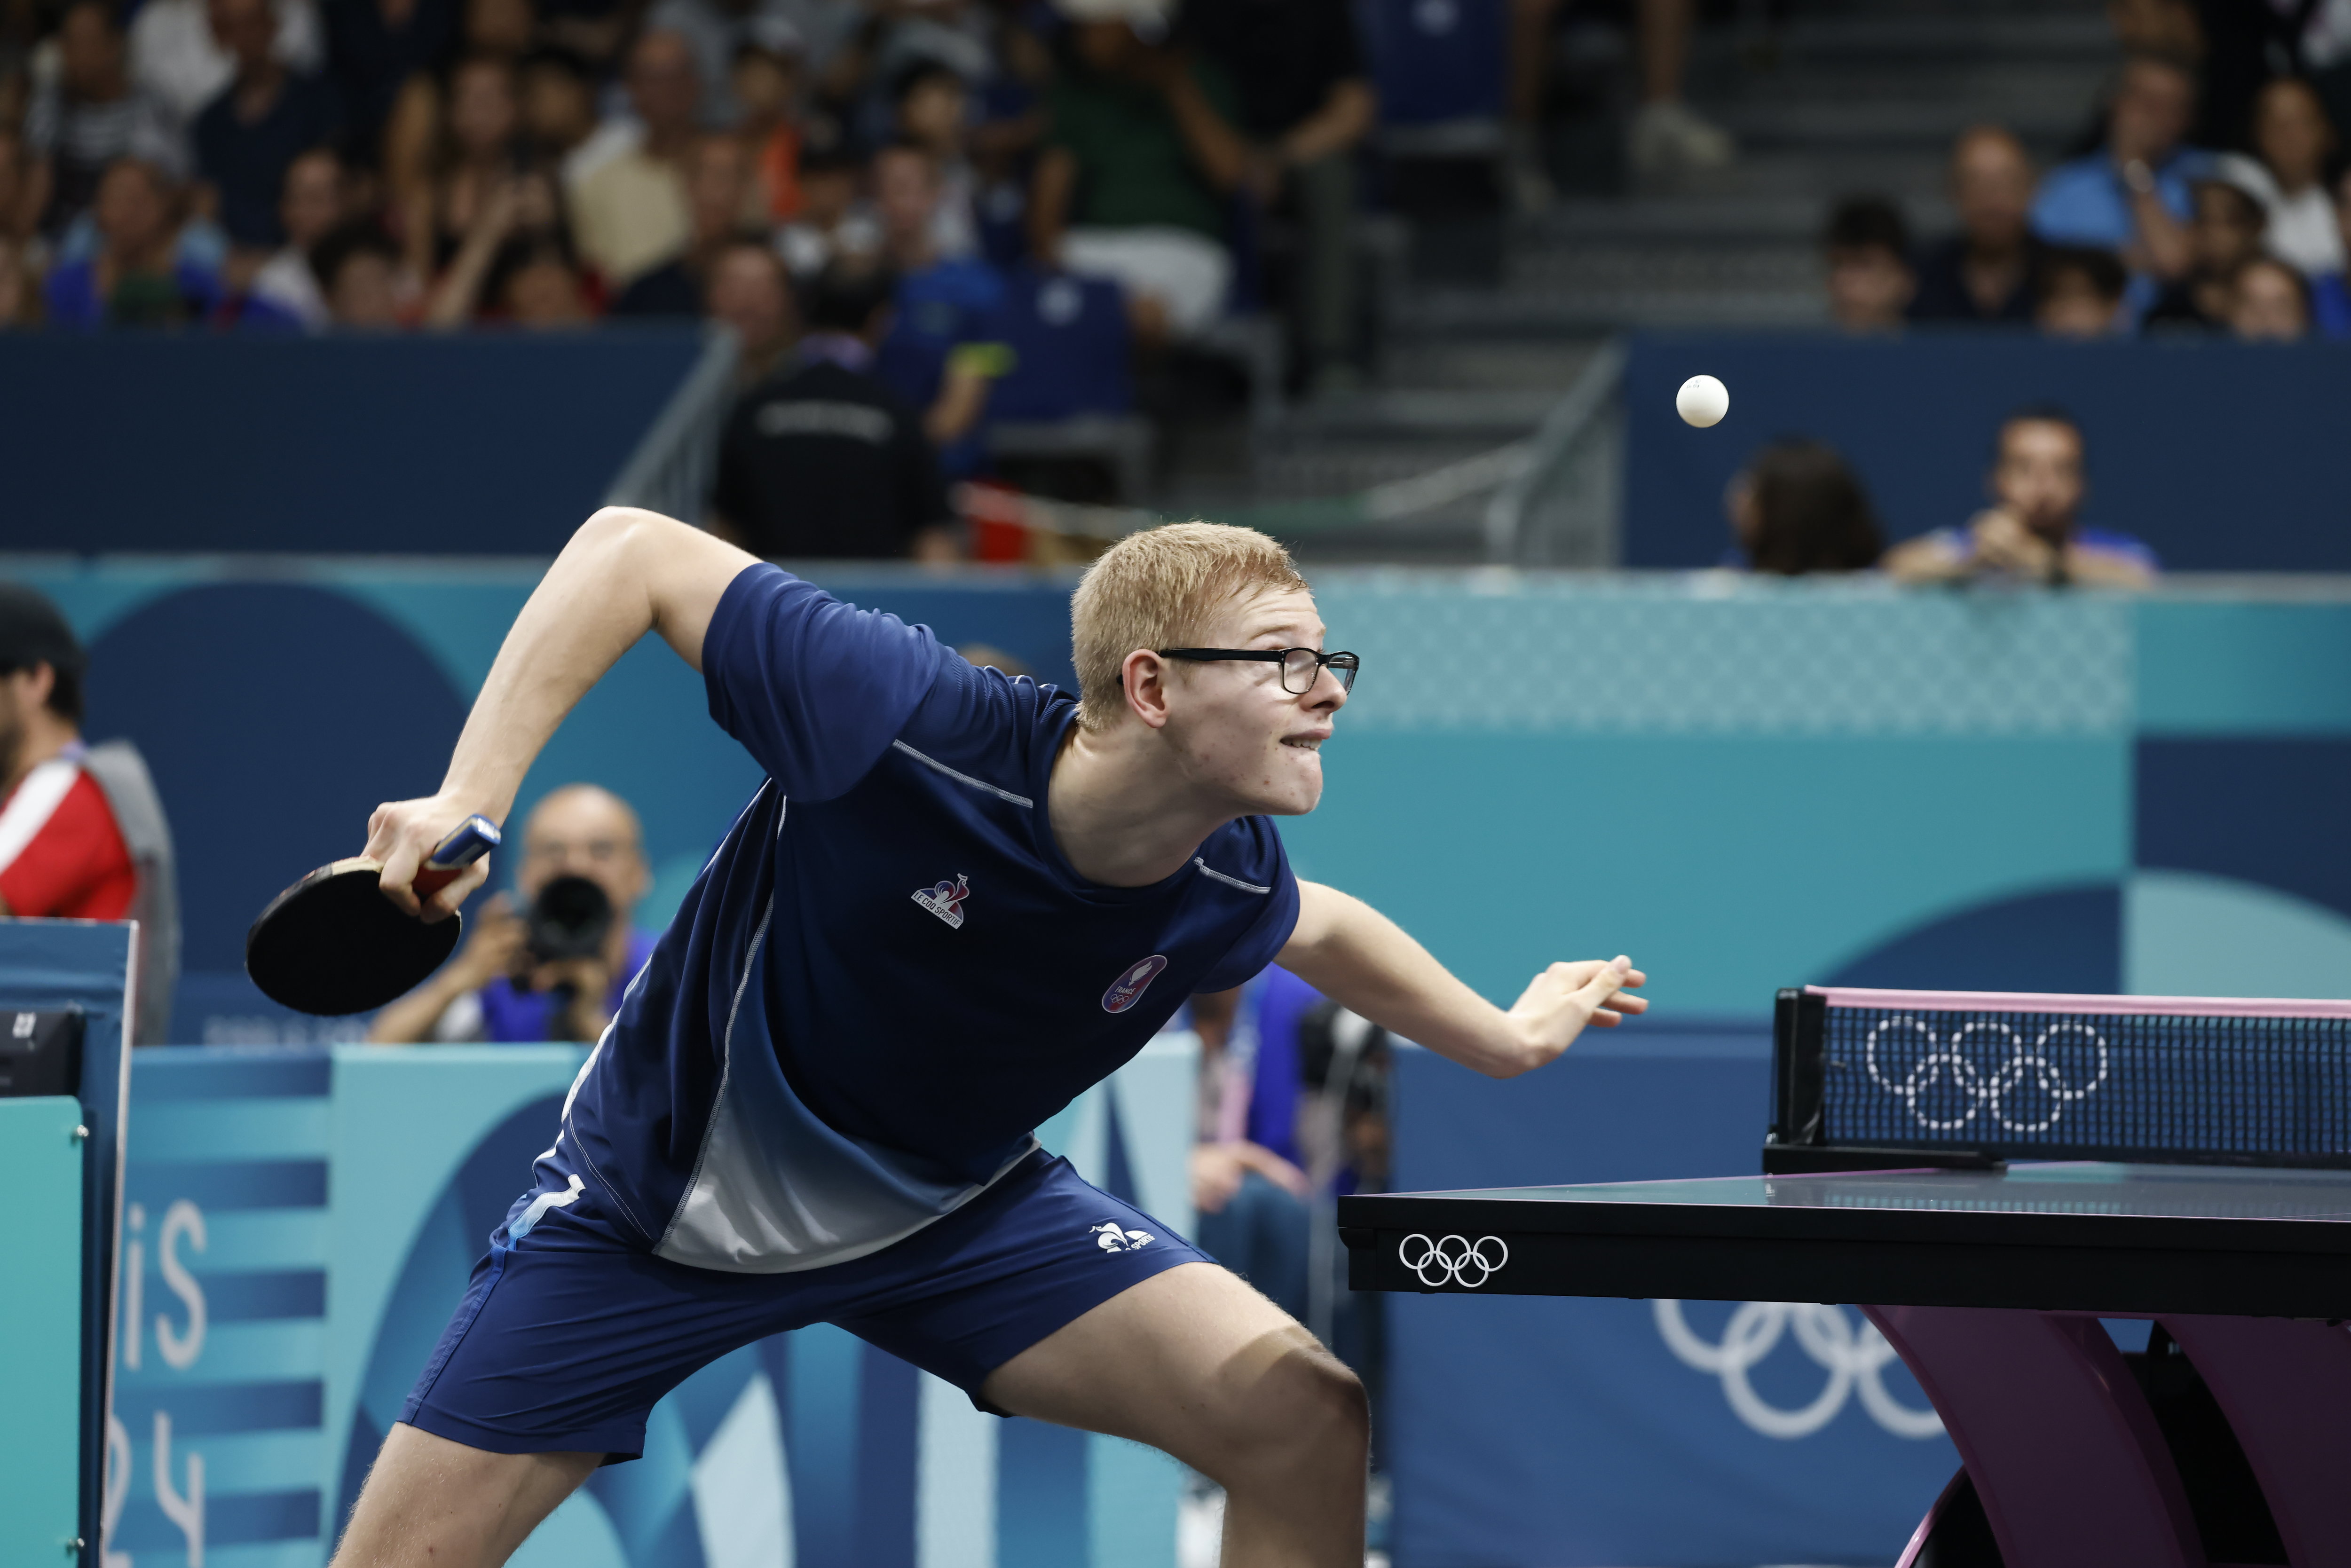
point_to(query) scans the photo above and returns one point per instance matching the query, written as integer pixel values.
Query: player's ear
(1144, 675)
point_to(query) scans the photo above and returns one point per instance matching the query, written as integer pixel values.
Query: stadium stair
(1836, 100)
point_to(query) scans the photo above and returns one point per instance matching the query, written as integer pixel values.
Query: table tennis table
(1990, 1277)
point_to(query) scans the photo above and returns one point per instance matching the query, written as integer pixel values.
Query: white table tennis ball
(1703, 400)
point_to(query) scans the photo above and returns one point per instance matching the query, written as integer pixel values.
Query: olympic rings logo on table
(1452, 1260)
(1856, 1362)
(1956, 1086)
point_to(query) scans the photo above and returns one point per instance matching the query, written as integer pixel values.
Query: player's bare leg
(1194, 1362)
(432, 1503)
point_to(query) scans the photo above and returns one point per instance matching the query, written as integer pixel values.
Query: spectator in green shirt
(1140, 166)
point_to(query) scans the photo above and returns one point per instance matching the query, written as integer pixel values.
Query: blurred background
(1996, 637)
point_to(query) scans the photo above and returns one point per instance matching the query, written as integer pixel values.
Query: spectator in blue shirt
(945, 347)
(133, 277)
(501, 987)
(2132, 196)
(2032, 530)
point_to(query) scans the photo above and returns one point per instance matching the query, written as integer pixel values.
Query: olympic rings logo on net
(1856, 1362)
(1946, 1083)
(1452, 1260)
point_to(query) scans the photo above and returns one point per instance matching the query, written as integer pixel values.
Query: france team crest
(945, 901)
(1128, 988)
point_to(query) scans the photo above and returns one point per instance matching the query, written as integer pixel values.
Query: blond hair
(1162, 588)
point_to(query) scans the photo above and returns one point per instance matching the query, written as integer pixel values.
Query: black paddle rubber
(333, 943)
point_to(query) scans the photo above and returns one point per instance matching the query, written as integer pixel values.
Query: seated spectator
(477, 148)
(1796, 509)
(417, 135)
(2295, 142)
(824, 459)
(2269, 302)
(181, 67)
(134, 277)
(358, 269)
(833, 225)
(85, 118)
(631, 214)
(1867, 246)
(940, 354)
(1305, 103)
(2033, 530)
(538, 288)
(82, 836)
(514, 981)
(1249, 1193)
(2225, 234)
(717, 31)
(2077, 292)
(373, 48)
(558, 107)
(2131, 196)
(308, 210)
(1139, 167)
(766, 83)
(1983, 274)
(718, 180)
(246, 137)
(933, 109)
(519, 227)
(747, 290)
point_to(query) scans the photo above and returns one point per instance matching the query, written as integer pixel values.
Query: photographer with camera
(555, 969)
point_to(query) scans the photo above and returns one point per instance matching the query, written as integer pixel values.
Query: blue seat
(1436, 61)
(1071, 349)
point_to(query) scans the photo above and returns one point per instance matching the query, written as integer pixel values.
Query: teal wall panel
(40, 1326)
(1727, 866)
(2245, 668)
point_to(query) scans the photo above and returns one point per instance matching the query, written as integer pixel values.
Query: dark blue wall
(487, 444)
(2225, 457)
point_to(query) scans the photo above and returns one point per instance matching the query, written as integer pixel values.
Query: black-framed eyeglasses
(1301, 667)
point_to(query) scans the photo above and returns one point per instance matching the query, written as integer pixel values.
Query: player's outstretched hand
(401, 835)
(1565, 998)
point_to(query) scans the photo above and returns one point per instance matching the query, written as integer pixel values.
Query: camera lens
(568, 919)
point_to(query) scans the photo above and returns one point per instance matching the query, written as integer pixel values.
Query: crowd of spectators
(1797, 509)
(293, 165)
(2147, 230)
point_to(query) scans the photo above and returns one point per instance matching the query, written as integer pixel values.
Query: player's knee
(1308, 1411)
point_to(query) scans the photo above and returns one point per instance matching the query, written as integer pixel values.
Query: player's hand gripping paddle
(334, 944)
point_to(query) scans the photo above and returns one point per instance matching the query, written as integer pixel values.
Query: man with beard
(82, 836)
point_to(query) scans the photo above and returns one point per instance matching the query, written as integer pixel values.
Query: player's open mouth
(1305, 742)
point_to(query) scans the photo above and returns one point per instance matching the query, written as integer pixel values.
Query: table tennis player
(957, 900)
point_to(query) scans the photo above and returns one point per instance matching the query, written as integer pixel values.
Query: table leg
(2285, 1387)
(2065, 1455)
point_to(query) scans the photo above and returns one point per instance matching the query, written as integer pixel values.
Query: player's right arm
(625, 572)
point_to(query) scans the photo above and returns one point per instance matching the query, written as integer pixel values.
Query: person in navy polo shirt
(957, 900)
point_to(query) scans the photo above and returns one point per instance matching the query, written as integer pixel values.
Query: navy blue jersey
(888, 974)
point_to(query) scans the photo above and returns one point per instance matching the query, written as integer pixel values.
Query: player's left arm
(1364, 962)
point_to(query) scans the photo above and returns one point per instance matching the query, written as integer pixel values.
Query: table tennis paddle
(333, 943)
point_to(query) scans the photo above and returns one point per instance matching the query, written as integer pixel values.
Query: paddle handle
(474, 837)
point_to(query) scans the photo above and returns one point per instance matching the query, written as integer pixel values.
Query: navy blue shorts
(569, 1335)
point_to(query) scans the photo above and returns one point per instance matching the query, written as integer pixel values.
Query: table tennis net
(2015, 1075)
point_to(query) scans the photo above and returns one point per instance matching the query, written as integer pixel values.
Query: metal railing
(1566, 505)
(675, 465)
